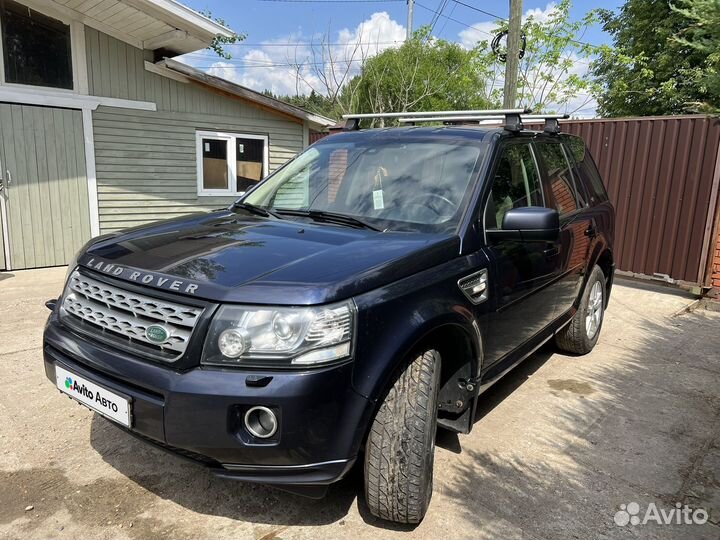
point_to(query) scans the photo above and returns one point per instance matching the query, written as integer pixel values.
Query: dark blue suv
(366, 292)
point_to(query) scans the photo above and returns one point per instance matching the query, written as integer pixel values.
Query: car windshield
(411, 185)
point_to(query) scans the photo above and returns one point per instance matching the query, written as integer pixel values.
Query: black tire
(400, 448)
(576, 336)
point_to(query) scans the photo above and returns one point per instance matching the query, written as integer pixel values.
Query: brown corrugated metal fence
(662, 175)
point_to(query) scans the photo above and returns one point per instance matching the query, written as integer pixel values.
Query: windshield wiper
(257, 210)
(329, 217)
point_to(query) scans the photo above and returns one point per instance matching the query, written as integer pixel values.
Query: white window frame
(231, 160)
(77, 55)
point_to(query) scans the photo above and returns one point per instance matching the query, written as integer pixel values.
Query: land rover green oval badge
(157, 334)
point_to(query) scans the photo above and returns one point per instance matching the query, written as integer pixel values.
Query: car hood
(234, 257)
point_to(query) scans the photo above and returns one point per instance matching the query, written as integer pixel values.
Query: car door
(576, 228)
(522, 270)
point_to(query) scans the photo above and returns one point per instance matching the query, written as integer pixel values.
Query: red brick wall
(716, 264)
(336, 172)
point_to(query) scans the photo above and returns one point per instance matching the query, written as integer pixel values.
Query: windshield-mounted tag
(378, 200)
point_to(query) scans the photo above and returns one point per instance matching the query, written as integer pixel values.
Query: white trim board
(68, 100)
(161, 70)
(90, 172)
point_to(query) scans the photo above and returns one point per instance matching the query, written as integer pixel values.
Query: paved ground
(557, 448)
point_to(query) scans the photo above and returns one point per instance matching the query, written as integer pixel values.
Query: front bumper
(198, 413)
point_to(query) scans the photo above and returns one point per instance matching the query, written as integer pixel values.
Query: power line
(431, 10)
(436, 17)
(493, 15)
(332, 1)
(274, 65)
(301, 44)
(452, 12)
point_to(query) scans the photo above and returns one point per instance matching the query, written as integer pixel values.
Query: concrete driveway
(558, 447)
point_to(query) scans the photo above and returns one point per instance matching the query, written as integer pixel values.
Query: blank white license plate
(95, 397)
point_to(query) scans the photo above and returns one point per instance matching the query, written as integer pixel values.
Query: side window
(250, 155)
(560, 177)
(586, 171)
(229, 163)
(516, 184)
(35, 48)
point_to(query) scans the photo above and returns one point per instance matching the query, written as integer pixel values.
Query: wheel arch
(461, 352)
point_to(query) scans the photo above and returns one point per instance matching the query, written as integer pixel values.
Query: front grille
(110, 313)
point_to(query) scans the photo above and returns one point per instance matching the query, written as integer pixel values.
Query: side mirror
(532, 223)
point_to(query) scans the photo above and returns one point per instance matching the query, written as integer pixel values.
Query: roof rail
(551, 120)
(512, 116)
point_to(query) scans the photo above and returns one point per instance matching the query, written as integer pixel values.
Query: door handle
(551, 252)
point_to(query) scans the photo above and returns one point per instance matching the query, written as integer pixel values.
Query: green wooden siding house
(100, 129)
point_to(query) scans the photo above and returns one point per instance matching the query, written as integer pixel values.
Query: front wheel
(401, 445)
(581, 335)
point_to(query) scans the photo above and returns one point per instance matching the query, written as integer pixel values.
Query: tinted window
(36, 48)
(516, 184)
(560, 177)
(586, 170)
(408, 183)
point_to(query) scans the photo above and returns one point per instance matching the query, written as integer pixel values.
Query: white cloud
(481, 31)
(274, 65)
(541, 15)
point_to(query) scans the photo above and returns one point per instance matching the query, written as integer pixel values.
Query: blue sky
(264, 60)
(264, 20)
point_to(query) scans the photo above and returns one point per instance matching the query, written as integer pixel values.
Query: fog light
(261, 422)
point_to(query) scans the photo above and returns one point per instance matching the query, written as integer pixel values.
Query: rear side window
(516, 184)
(586, 171)
(560, 177)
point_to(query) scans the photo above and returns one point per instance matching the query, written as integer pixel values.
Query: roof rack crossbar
(513, 118)
(482, 112)
(513, 121)
(477, 118)
(352, 121)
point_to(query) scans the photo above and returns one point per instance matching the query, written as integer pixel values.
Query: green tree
(313, 102)
(219, 43)
(702, 34)
(553, 69)
(423, 74)
(649, 70)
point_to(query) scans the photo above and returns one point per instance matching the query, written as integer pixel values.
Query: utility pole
(411, 9)
(512, 61)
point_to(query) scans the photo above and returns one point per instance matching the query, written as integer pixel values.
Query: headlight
(280, 336)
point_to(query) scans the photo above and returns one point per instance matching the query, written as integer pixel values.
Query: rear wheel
(401, 445)
(581, 335)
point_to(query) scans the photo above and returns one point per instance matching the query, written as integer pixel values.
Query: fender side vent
(475, 286)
